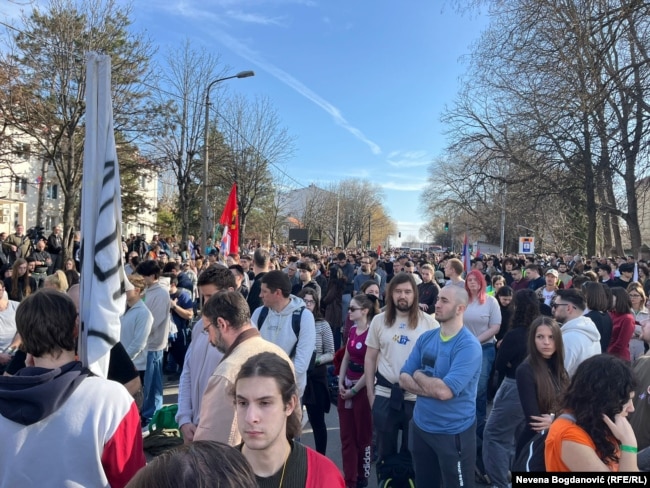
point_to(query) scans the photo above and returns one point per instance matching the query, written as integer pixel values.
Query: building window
(52, 191)
(140, 228)
(143, 182)
(50, 222)
(22, 150)
(20, 185)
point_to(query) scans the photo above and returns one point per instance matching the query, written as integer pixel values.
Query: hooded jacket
(156, 298)
(64, 427)
(277, 328)
(581, 341)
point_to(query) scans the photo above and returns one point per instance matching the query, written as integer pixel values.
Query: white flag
(103, 299)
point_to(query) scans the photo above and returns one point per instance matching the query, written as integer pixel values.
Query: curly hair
(526, 308)
(600, 386)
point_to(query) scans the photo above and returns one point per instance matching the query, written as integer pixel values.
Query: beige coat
(218, 421)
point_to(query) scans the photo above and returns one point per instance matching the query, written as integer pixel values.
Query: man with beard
(227, 321)
(365, 275)
(391, 338)
(201, 359)
(579, 334)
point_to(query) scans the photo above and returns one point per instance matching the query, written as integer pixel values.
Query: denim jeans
(153, 385)
(501, 430)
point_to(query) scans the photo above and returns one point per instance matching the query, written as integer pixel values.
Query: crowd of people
(417, 345)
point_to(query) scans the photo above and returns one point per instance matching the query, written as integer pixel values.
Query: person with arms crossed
(443, 371)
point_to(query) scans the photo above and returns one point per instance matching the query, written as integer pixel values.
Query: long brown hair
(270, 365)
(551, 378)
(391, 309)
(16, 293)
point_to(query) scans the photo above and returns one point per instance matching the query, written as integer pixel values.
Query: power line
(258, 153)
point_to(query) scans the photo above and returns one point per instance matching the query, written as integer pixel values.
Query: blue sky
(360, 84)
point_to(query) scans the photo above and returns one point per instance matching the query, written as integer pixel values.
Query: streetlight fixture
(205, 217)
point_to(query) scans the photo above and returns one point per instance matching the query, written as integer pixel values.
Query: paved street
(332, 420)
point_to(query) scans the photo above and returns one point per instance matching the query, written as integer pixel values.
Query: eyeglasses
(555, 305)
(206, 326)
(353, 309)
(309, 302)
(635, 295)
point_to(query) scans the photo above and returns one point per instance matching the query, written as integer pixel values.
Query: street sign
(526, 245)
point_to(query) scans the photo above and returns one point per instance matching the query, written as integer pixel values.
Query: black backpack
(396, 471)
(531, 457)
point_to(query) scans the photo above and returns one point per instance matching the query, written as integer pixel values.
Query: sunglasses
(555, 305)
(354, 309)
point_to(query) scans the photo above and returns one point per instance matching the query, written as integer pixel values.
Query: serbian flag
(230, 222)
(467, 259)
(102, 297)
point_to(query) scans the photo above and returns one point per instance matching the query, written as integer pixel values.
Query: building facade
(27, 178)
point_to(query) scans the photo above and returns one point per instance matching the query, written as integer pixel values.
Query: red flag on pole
(230, 222)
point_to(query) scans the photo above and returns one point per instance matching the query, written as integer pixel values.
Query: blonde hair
(57, 280)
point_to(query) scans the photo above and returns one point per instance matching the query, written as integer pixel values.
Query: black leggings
(316, 415)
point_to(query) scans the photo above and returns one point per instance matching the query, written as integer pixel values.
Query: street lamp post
(205, 216)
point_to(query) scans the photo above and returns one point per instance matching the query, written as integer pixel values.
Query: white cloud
(253, 18)
(245, 52)
(408, 159)
(358, 173)
(286, 78)
(406, 186)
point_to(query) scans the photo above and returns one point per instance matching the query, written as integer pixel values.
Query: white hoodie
(277, 329)
(581, 341)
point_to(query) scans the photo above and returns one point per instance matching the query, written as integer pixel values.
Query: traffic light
(446, 226)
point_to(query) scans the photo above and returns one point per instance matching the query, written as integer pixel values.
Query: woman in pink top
(622, 324)
(355, 416)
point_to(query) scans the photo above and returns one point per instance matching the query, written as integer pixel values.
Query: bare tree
(256, 142)
(183, 81)
(568, 81)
